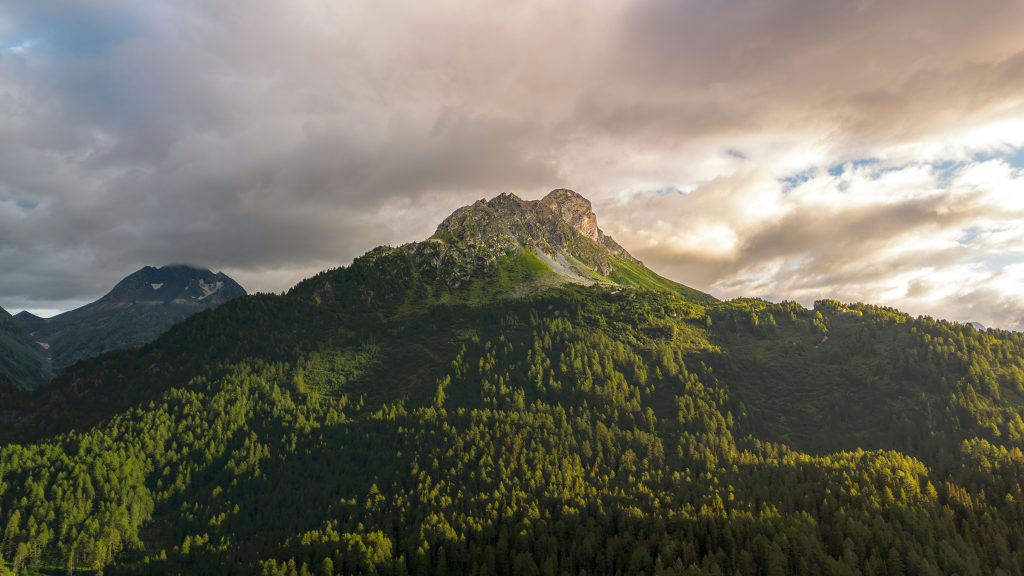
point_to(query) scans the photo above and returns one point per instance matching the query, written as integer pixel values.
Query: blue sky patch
(77, 30)
(1016, 159)
(839, 169)
(794, 180)
(946, 170)
(670, 190)
(996, 262)
(969, 235)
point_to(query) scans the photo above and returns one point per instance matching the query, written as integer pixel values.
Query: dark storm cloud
(276, 139)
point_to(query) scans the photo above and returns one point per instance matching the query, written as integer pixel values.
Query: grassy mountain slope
(443, 408)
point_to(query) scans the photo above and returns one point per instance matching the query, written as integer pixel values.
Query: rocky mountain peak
(138, 309)
(177, 283)
(562, 220)
(496, 247)
(575, 210)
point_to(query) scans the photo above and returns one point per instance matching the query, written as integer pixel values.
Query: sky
(787, 149)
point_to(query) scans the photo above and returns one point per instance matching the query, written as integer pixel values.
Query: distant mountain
(29, 321)
(137, 310)
(22, 361)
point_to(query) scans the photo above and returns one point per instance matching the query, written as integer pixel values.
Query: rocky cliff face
(578, 213)
(575, 210)
(561, 228)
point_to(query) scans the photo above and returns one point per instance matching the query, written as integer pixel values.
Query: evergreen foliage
(389, 426)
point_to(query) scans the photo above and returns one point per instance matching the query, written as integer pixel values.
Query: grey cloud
(865, 70)
(273, 140)
(934, 99)
(910, 251)
(833, 241)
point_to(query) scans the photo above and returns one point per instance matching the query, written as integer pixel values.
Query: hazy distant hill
(29, 321)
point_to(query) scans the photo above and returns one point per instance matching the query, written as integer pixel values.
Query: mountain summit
(138, 309)
(557, 222)
(175, 284)
(561, 228)
(505, 246)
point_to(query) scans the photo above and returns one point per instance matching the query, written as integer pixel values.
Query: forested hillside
(381, 419)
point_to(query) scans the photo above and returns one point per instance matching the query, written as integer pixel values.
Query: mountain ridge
(135, 311)
(29, 321)
(502, 247)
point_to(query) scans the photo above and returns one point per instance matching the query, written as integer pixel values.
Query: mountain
(29, 321)
(560, 230)
(8, 323)
(137, 310)
(6, 320)
(462, 405)
(505, 247)
(22, 360)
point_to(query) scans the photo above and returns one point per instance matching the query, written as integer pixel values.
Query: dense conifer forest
(582, 430)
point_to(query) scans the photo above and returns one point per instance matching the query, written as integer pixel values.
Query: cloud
(928, 239)
(275, 140)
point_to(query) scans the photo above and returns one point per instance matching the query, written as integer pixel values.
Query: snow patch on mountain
(209, 289)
